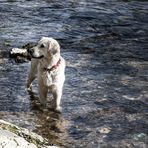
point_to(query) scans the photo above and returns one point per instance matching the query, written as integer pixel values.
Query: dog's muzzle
(31, 51)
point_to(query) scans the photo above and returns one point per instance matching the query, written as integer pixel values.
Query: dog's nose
(30, 50)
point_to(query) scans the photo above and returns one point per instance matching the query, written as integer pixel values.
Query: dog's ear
(54, 47)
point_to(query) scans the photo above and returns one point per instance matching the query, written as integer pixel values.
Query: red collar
(53, 67)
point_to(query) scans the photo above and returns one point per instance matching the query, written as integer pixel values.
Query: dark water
(105, 44)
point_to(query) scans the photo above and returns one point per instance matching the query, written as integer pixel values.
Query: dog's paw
(58, 109)
(29, 88)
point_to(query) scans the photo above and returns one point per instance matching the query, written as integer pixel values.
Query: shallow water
(106, 90)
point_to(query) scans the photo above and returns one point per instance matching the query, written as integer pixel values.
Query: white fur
(49, 50)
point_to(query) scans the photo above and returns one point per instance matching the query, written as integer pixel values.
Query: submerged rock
(20, 54)
(19, 51)
(12, 136)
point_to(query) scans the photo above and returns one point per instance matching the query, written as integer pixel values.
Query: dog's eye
(42, 46)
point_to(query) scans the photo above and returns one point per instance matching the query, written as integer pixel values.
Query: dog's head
(46, 48)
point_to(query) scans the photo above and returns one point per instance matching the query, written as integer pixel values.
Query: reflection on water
(105, 93)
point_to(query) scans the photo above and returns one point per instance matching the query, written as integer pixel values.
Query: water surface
(106, 90)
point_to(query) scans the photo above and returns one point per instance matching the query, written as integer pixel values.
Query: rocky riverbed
(12, 136)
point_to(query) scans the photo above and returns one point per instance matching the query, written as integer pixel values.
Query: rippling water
(105, 44)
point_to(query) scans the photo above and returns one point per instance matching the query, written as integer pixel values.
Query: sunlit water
(105, 44)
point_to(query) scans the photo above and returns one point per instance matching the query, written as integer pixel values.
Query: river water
(105, 44)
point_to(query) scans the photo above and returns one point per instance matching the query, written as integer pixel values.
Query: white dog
(49, 68)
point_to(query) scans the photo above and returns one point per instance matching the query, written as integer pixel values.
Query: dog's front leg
(57, 94)
(43, 90)
(32, 74)
(31, 77)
